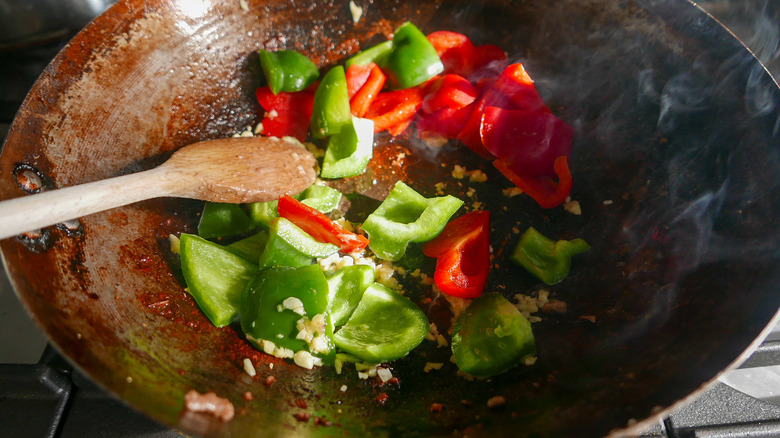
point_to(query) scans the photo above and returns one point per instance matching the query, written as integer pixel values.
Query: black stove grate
(50, 399)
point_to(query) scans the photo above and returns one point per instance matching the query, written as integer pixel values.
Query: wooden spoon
(236, 170)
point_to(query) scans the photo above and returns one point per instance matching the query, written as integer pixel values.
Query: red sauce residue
(301, 403)
(436, 407)
(177, 307)
(270, 380)
(382, 398)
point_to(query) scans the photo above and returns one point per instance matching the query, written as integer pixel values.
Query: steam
(720, 165)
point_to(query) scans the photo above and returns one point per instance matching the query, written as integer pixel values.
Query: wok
(676, 124)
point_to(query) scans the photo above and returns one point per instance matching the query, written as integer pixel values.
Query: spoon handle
(33, 212)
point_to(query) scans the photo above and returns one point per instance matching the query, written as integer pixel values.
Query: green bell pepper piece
(413, 59)
(376, 54)
(346, 289)
(491, 336)
(215, 277)
(406, 216)
(331, 111)
(220, 220)
(287, 70)
(349, 151)
(264, 315)
(251, 247)
(546, 259)
(323, 198)
(385, 326)
(288, 245)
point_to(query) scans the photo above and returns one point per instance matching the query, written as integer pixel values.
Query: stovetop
(35, 382)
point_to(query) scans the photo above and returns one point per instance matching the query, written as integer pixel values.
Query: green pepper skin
(323, 198)
(251, 247)
(413, 59)
(406, 216)
(377, 54)
(544, 258)
(215, 277)
(491, 336)
(262, 316)
(331, 111)
(288, 245)
(346, 289)
(349, 151)
(287, 70)
(220, 220)
(385, 326)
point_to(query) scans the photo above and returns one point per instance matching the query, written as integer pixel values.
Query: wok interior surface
(675, 124)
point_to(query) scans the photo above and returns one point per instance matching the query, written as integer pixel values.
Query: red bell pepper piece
(527, 141)
(454, 49)
(462, 251)
(360, 100)
(394, 110)
(287, 113)
(446, 122)
(513, 89)
(460, 56)
(546, 192)
(319, 226)
(448, 91)
(357, 75)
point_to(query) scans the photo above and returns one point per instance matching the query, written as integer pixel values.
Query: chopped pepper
(274, 303)
(287, 114)
(319, 226)
(346, 289)
(462, 251)
(546, 259)
(220, 219)
(527, 141)
(491, 336)
(288, 245)
(385, 326)
(331, 111)
(512, 89)
(460, 56)
(364, 88)
(448, 91)
(250, 247)
(350, 150)
(323, 198)
(215, 277)
(376, 54)
(406, 216)
(546, 192)
(287, 70)
(413, 60)
(394, 110)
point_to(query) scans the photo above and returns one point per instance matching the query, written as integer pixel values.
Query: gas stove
(41, 395)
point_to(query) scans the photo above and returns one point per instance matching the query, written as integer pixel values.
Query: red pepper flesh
(527, 141)
(462, 251)
(394, 109)
(448, 91)
(546, 192)
(319, 226)
(460, 56)
(360, 100)
(446, 122)
(287, 113)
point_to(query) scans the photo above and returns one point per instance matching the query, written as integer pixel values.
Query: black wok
(676, 124)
